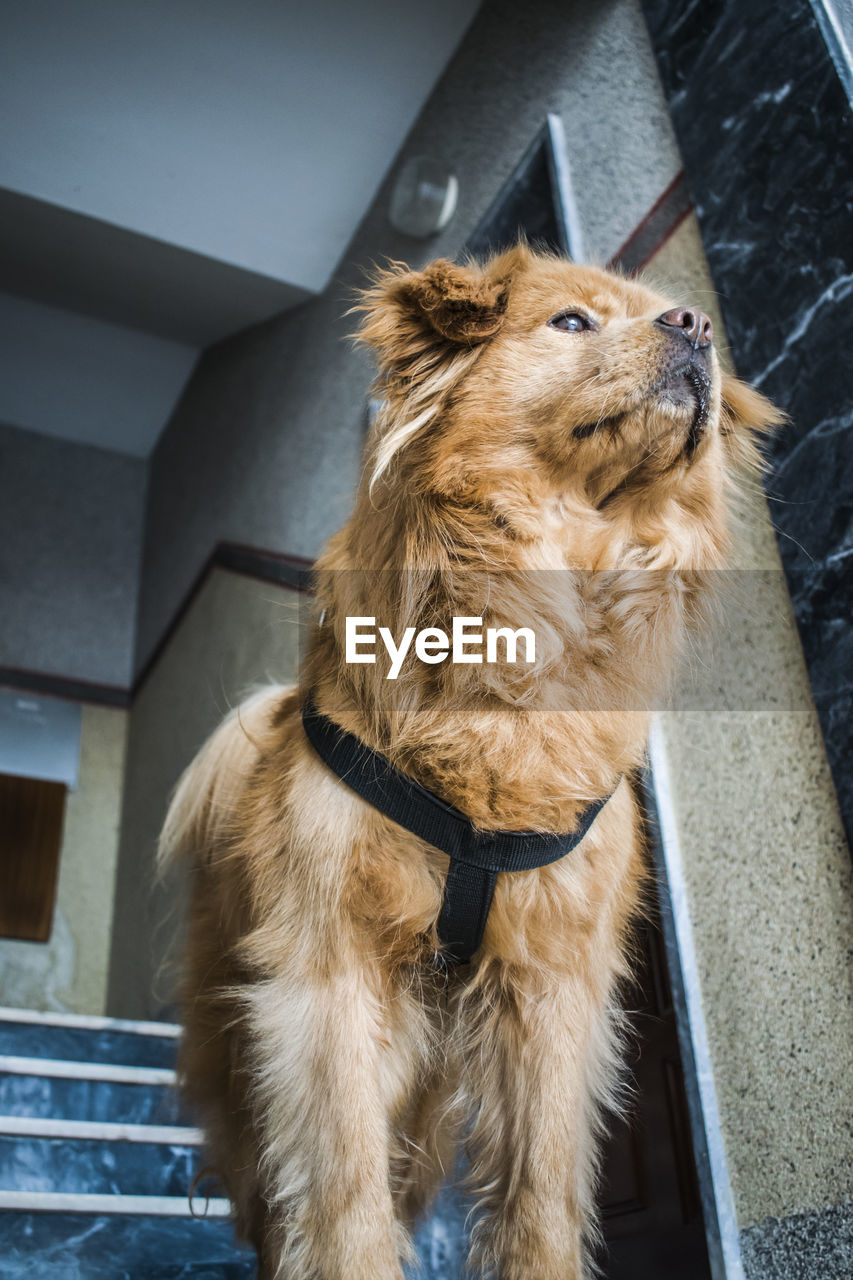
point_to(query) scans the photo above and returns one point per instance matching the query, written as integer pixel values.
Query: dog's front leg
(321, 1093)
(539, 1054)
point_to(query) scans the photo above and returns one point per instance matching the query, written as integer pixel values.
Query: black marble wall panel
(766, 133)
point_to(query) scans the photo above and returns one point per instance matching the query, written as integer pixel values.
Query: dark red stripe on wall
(54, 686)
(291, 572)
(665, 216)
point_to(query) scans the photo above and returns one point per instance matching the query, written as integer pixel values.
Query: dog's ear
(461, 304)
(746, 417)
(409, 315)
(745, 410)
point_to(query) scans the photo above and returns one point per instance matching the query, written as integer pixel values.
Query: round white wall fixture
(424, 197)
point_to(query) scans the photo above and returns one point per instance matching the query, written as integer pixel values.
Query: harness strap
(468, 893)
(476, 856)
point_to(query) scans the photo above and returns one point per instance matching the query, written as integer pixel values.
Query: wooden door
(31, 818)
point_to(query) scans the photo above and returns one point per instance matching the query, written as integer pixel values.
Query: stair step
(89, 1021)
(96, 1167)
(81, 1098)
(82, 1245)
(25, 1033)
(180, 1135)
(57, 1068)
(106, 1203)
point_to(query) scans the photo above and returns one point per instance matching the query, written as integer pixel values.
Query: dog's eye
(571, 322)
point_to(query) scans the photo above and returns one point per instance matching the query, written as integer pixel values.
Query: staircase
(96, 1160)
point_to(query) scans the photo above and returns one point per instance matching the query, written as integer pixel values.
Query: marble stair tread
(98, 1167)
(89, 1022)
(441, 1239)
(34, 1040)
(59, 1127)
(245, 1269)
(81, 1098)
(83, 1246)
(77, 1246)
(71, 1069)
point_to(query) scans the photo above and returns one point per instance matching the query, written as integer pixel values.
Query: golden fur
(525, 475)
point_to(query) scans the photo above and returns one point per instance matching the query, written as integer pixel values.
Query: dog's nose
(695, 325)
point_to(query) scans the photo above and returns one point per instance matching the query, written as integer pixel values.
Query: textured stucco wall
(237, 634)
(70, 549)
(69, 972)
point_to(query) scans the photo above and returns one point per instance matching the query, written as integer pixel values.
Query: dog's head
(531, 365)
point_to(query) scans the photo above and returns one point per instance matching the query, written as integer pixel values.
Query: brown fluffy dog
(557, 448)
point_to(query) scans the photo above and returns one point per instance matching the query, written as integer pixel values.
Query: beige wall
(69, 972)
(237, 634)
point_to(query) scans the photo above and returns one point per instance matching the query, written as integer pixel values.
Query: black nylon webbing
(475, 856)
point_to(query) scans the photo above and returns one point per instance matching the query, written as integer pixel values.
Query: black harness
(476, 856)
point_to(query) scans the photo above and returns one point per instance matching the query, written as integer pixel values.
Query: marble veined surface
(79, 1247)
(97, 1167)
(70, 1246)
(79, 1099)
(66, 1246)
(77, 1044)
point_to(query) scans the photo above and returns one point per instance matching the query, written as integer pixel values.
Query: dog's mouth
(687, 386)
(700, 384)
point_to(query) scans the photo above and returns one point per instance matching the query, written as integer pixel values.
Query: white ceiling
(183, 168)
(82, 379)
